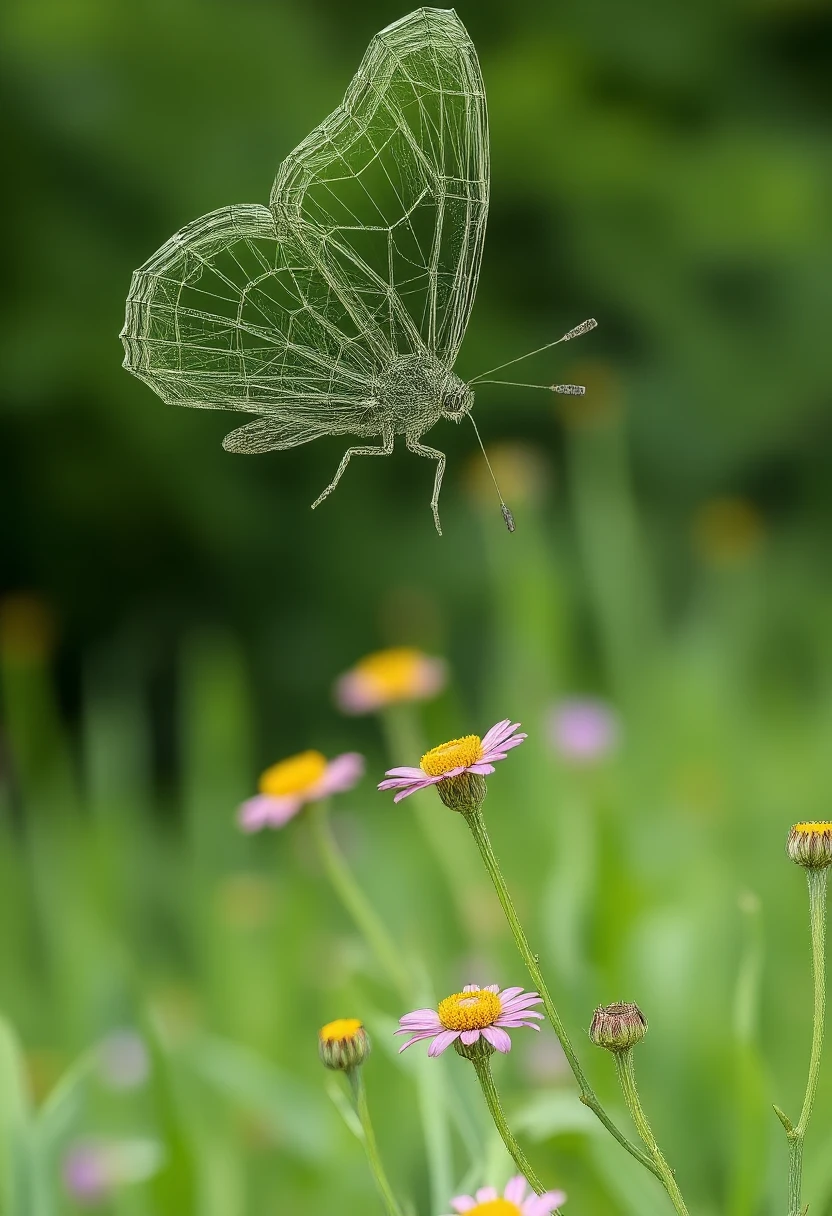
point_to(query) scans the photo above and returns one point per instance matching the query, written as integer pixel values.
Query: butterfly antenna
(507, 515)
(577, 332)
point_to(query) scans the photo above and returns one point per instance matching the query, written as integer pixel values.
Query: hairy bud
(618, 1027)
(343, 1044)
(810, 845)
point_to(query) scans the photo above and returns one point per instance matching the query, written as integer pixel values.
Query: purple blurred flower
(583, 730)
(86, 1171)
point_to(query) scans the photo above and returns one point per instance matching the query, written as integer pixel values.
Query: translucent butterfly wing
(230, 314)
(397, 180)
(371, 246)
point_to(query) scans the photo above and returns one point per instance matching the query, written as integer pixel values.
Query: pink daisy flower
(468, 1015)
(291, 783)
(385, 677)
(514, 1201)
(467, 755)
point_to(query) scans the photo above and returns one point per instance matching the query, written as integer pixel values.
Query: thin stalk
(356, 902)
(482, 1066)
(627, 1077)
(432, 1105)
(359, 1097)
(587, 1095)
(796, 1135)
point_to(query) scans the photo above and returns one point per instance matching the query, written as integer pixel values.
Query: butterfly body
(340, 308)
(415, 392)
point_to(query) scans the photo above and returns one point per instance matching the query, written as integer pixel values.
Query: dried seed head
(618, 1027)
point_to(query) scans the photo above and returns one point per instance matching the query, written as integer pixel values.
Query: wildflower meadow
(347, 867)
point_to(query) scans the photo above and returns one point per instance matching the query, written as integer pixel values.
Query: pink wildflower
(467, 755)
(291, 783)
(402, 673)
(514, 1202)
(468, 1015)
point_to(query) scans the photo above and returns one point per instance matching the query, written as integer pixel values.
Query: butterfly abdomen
(415, 391)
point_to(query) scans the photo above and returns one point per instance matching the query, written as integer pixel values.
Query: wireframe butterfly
(340, 308)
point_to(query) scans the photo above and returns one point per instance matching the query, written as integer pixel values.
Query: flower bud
(618, 1027)
(343, 1044)
(810, 845)
(464, 793)
(480, 1049)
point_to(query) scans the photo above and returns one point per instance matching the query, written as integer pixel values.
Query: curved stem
(482, 1065)
(359, 1095)
(587, 1095)
(432, 1102)
(797, 1134)
(356, 902)
(627, 1077)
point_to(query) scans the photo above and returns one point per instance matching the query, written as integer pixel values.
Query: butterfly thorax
(416, 391)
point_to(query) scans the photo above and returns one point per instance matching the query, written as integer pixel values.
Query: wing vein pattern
(370, 249)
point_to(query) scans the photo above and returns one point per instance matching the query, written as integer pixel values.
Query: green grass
(128, 896)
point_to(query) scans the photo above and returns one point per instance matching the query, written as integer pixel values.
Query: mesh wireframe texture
(340, 307)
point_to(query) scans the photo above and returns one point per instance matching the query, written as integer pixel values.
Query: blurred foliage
(663, 168)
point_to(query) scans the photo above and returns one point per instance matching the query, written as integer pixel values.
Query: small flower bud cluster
(618, 1027)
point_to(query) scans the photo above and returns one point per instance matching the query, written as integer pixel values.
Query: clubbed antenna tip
(508, 517)
(583, 328)
(568, 390)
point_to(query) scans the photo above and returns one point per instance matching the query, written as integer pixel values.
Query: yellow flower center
(812, 829)
(459, 753)
(495, 1207)
(341, 1028)
(469, 1010)
(392, 673)
(295, 775)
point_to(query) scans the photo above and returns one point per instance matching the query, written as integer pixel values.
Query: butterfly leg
(420, 449)
(385, 450)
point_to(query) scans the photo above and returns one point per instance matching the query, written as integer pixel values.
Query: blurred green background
(173, 616)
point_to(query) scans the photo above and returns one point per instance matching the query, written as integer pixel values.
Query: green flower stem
(587, 1095)
(627, 1077)
(359, 1097)
(356, 902)
(482, 1066)
(432, 1104)
(797, 1134)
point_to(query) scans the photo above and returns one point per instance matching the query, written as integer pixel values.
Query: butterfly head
(457, 400)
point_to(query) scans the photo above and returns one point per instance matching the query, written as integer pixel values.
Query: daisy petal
(497, 1038)
(542, 1205)
(500, 730)
(486, 1193)
(406, 771)
(417, 1038)
(264, 810)
(341, 774)
(515, 1189)
(442, 1042)
(483, 770)
(469, 1036)
(463, 1203)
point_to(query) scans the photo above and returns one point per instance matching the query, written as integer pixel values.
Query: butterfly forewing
(398, 180)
